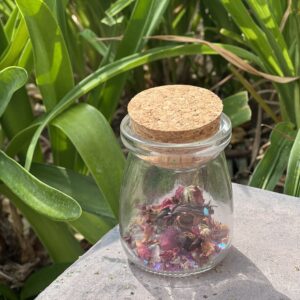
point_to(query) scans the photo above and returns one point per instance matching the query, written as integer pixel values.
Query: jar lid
(175, 113)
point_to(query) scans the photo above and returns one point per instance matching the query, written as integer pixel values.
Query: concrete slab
(263, 264)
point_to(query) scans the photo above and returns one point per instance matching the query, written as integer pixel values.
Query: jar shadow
(237, 277)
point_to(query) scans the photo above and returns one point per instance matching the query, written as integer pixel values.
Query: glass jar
(176, 202)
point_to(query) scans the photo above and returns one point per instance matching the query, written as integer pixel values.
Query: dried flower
(178, 233)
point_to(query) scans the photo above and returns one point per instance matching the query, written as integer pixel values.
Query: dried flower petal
(168, 239)
(143, 251)
(208, 248)
(198, 195)
(179, 192)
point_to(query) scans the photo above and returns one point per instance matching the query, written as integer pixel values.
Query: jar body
(176, 221)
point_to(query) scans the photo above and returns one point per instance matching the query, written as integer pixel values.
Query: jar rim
(134, 142)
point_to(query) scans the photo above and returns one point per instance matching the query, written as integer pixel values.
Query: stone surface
(264, 262)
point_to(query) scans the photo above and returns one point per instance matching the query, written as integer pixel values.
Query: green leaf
(3, 38)
(268, 23)
(40, 279)
(15, 47)
(97, 217)
(11, 79)
(11, 22)
(109, 71)
(80, 187)
(219, 15)
(278, 9)
(15, 120)
(269, 170)
(37, 195)
(55, 236)
(53, 68)
(237, 109)
(253, 34)
(292, 182)
(91, 37)
(92, 227)
(97, 145)
(52, 64)
(21, 139)
(113, 10)
(7, 293)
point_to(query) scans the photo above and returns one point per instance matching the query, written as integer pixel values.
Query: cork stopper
(175, 113)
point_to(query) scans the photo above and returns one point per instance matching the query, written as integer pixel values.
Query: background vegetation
(67, 70)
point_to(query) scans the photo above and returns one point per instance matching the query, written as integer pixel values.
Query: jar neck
(177, 155)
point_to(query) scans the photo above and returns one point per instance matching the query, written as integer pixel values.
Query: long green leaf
(91, 38)
(11, 22)
(80, 187)
(109, 71)
(269, 170)
(253, 34)
(39, 280)
(55, 236)
(292, 183)
(37, 195)
(92, 227)
(237, 109)
(6, 293)
(219, 15)
(113, 10)
(11, 79)
(16, 46)
(268, 23)
(53, 68)
(52, 64)
(14, 121)
(97, 217)
(96, 144)
(3, 38)
(278, 9)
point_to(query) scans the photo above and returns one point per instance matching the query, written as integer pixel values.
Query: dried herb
(178, 233)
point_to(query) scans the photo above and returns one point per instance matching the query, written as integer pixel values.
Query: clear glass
(176, 203)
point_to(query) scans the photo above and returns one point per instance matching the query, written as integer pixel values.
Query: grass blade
(3, 39)
(269, 170)
(16, 46)
(53, 68)
(37, 195)
(52, 64)
(292, 183)
(253, 34)
(266, 20)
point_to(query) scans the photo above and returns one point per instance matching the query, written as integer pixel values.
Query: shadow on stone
(235, 278)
